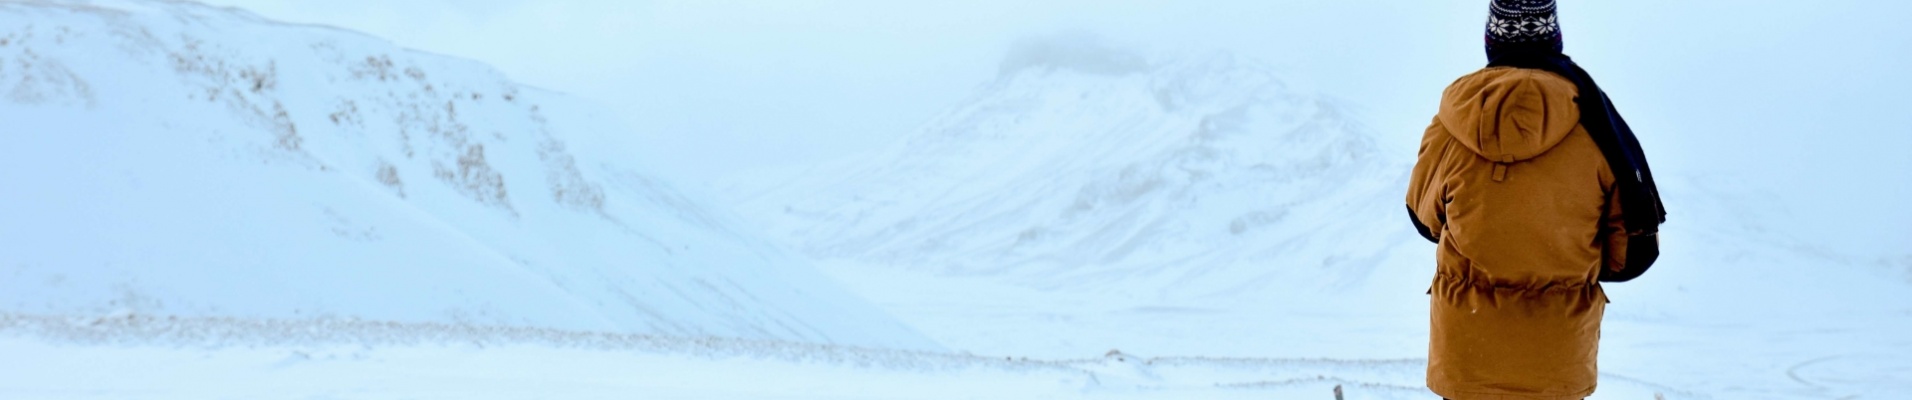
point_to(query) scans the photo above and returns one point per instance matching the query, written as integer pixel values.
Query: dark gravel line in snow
(226, 332)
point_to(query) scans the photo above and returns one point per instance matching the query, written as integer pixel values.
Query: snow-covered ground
(137, 357)
(200, 203)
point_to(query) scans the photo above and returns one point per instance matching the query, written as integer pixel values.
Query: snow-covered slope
(1083, 165)
(171, 158)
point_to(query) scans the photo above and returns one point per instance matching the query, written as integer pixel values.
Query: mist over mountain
(1084, 164)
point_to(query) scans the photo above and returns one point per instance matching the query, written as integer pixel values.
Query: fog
(1806, 100)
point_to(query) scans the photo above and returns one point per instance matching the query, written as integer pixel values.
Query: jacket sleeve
(1613, 234)
(1427, 185)
(1626, 255)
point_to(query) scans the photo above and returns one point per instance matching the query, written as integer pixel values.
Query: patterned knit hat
(1523, 24)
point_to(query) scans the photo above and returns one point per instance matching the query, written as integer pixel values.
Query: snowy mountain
(1082, 165)
(171, 158)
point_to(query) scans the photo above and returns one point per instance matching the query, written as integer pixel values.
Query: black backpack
(1639, 196)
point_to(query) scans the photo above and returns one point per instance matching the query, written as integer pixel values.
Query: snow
(169, 158)
(117, 357)
(202, 203)
(1177, 176)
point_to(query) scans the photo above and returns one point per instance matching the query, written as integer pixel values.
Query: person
(1534, 191)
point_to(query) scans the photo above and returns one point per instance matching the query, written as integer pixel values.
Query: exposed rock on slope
(168, 157)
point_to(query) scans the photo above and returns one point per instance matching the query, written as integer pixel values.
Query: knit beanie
(1523, 26)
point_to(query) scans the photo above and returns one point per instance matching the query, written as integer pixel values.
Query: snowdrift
(171, 158)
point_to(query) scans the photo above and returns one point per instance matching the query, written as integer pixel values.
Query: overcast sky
(1808, 98)
(791, 81)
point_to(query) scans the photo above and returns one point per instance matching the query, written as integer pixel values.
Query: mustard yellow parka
(1526, 214)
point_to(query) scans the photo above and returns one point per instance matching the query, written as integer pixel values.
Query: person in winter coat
(1516, 184)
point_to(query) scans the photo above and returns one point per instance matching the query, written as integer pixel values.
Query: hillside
(1085, 167)
(167, 158)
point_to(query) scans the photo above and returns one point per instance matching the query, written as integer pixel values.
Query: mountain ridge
(1153, 151)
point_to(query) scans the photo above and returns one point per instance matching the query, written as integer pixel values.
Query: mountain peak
(1090, 164)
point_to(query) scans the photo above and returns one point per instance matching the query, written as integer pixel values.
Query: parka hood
(1510, 114)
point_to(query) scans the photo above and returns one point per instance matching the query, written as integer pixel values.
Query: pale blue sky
(1806, 99)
